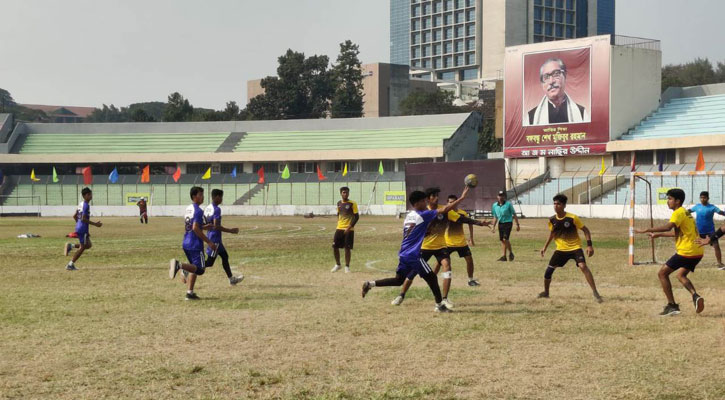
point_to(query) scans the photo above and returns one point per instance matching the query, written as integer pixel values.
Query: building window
(549, 29)
(666, 156)
(559, 3)
(549, 3)
(470, 3)
(559, 30)
(268, 167)
(436, 63)
(338, 166)
(426, 36)
(437, 21)
(644, 157)
(415, 25)
(416, 11)
(447, 62)
(470, 59)
(471, 44)
(425, 23)
(470, 15)
(448, 33)
(425, 51)
(560, 16)
(459, 31)
(569, 32)
(459, 60)
(374, 165)
(415, 52)
(570, 18)
(569, 4)
(437, 35)
(538, 2)
(415, 39)
(459, 17)
(436, 50)
(538, 39)
(447, 48)
(549, 15)
(459, 46)
(447, 76)
(437, 7)
(460, 4)
(471, 30)
(426, 63)
(469, 74)
(537, 28)
(449, 5)
(426, 9)
(538, 13)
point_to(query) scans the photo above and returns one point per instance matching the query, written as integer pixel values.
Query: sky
(94, 52)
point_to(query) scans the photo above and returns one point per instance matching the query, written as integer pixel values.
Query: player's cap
(501, 193)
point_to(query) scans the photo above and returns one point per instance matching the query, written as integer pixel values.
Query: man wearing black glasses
(555, 107)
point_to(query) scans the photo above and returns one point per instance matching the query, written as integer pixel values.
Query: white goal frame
(33, 208)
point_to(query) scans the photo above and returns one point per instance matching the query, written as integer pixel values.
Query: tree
(153, 109)
(7, 104)
(108, 114)
(419, 102)
(697, 72)
(178, 108)
(232, 112)
(487, 142)
(139, 115)
(347, 100)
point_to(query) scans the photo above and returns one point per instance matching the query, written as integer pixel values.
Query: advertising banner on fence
(133, 198)
(394, 197)
(556, 98)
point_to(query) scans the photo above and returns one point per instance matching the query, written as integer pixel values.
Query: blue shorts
(219, 248)
(196, 257)
(83, 236)
(412, 267)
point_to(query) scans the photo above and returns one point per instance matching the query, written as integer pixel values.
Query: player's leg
(84, 243)
(590, 280)
(396, 281)
(337, 243)
(558, 259)
(664, 277)
(233, 280)
(718, 255)
(697, 300)
(146, 218)
(431, 279)
(469, 270)
(447, 276)
(504, 247)
(349, 244)
(404, 289)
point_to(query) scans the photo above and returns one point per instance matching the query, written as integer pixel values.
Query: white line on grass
(369, 265)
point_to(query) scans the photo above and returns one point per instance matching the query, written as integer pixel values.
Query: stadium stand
(688, 116)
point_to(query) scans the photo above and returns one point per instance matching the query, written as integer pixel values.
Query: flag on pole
(55, 176)
(380, 168)
(634, 156)
(319, 174)
(700, 165)
(285, 172)
(177, 174)
(260, 174)
(32, 176)
(207, 174)
(604, 168)
(146, 175)
(344, 171)
(87, 175)
(113, 176)
(234, 172)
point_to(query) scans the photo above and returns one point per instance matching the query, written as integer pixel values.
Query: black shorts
(689, 263)
(462, 251)
(713, 238)
(560, 258)
(342, 240)
(440, 254)
(504, 230)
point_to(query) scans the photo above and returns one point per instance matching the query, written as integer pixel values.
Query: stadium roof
(238, 141)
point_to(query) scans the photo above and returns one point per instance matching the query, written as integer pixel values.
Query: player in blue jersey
(705, 225)
(410, 261)
(82, 217)
(193, 243)
(213, 224)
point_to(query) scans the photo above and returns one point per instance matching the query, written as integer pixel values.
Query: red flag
(319, 174)
(700, 165)
(177, 174)
(260, 173)
(633, 158)
(87, 176)
(146, 175)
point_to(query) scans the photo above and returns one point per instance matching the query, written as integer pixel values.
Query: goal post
(11, 205)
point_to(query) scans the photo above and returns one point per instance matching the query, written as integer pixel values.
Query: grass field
(119, 328)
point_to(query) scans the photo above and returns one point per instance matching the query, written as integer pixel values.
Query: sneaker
(173, 268)
(670, 309)
(236, 279)
(335, 268)
(447, 303)
(71, 267)
(721, 267)
(67, 248)
(366, 288)
(347, 269)
(543, 295)
(598, 298)
(192, 296)
(699, 303)
(442, 308)
(503, 258)
(397, 301)
(473, 282)
(184, 275)
(511, 256)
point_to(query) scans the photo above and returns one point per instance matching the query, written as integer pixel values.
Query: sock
(71, 262)
(347, 265)
(189, 291)
(371, 283)
(402, 295)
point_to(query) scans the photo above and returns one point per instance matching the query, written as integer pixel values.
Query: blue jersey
(213, 213)
(414, 229)
(704, 217)
(84, 211)
(193, 214)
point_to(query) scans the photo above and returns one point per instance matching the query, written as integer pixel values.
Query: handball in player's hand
(471, 180)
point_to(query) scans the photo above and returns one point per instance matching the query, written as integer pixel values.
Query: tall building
(464, 40)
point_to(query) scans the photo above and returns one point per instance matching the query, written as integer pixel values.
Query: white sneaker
(173, 268)
(335, 268)
(397, 301)
(71, 267)
(347, 269)
(236, 279)
(721, 267)
(184, 275)
(67, 248)
(447, 303)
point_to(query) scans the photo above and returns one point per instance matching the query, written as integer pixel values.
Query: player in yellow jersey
(564, 230)
(456, 241)
(347, 217)
(688, 251)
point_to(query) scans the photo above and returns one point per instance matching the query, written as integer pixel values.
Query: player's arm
(516, 219)
(588, 236)
(663, 228)
(454, 205)
(197, 228)
(218, 226)
(355, 218)
(717, 235)
(546, 245)
(86, 219)
(662, 234)
(470, 234)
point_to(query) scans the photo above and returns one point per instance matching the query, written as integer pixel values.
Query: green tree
(109, 114)
(697, 72)
(139, 115)
(178, 109)
(347, 101)
(420, 102)
(154, 109)
(487, 142)
(7, 104)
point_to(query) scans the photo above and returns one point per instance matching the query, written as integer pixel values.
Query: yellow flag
(207, 174)
(32, 176)
(604, 168)
(344, 171)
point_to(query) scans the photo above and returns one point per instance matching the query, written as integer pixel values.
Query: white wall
(178, 211)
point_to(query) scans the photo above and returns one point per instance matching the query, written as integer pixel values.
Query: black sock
(432, 280)
(397, 281)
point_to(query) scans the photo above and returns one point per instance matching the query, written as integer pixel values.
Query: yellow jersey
(566, 232)
(435, 237)
(686, 234)
(455, 234)
(346, 211)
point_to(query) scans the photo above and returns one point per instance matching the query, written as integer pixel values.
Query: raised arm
(453, 205)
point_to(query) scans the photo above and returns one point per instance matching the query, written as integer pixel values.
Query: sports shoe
(442, 308)
(543, 295)
(67, 248)
(503, 258)
(71, 267)
(192, 296)
(236, 279)
(511, 256)
(447, 303)
(699, 303)
(721, 267)
(184, 275)
(347, 269)
(473, 282)
(670, 309)
(173, 268)
(366, 288)
(397, 301)
(598, 298)
(335, 268)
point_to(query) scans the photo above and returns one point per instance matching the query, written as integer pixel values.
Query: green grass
(119, 328)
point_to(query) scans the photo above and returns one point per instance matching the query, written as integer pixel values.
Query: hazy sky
(90, 52)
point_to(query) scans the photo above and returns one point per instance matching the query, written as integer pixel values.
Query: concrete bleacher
(63, 143)
(703, 115)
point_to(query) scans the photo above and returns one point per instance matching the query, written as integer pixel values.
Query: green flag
(285, 173)
(55, 176)
(380, 168)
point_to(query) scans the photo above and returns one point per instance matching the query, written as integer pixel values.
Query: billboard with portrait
(556, 98)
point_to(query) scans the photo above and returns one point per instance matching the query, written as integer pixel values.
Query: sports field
(120, 328)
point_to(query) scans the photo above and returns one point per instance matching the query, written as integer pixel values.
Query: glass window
(416, 11)
(426, 63)
(549, 3)
(570, 31)
(538, 11)
(448, 33)
(549, 15)
(471, 30)
(459, 31)
(538, 2)
(447, 47)
(460, 4)
(459, 60)
(436, 35)
(469, 74)
(414, 63)
(426, 36)
(415, 53)
(470, 3)
(449, 5)
(436, 49)
(415, 39)
(570, 18)
(560, 3)
(425, 51)
(459, 46)
(559, 30)
(560, 16)
(447, 76)
(549, 29)
(415, 25)
(437, 20)
(437, 7)
(471, 44)
(426, 9)
(268, 167)
(447, 62)
(569, 4)
(470, 59)
(470, 15)
(537, 28)
(459, 17)
(448, 19)
(425, 23)
(436, 63)
(538, 39)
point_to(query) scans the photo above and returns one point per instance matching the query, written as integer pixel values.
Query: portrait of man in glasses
(556, 107)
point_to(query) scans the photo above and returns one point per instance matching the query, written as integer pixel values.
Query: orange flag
(87, 175)
(177, 174)
(146, 175)
(319, 174)
(700, 165)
